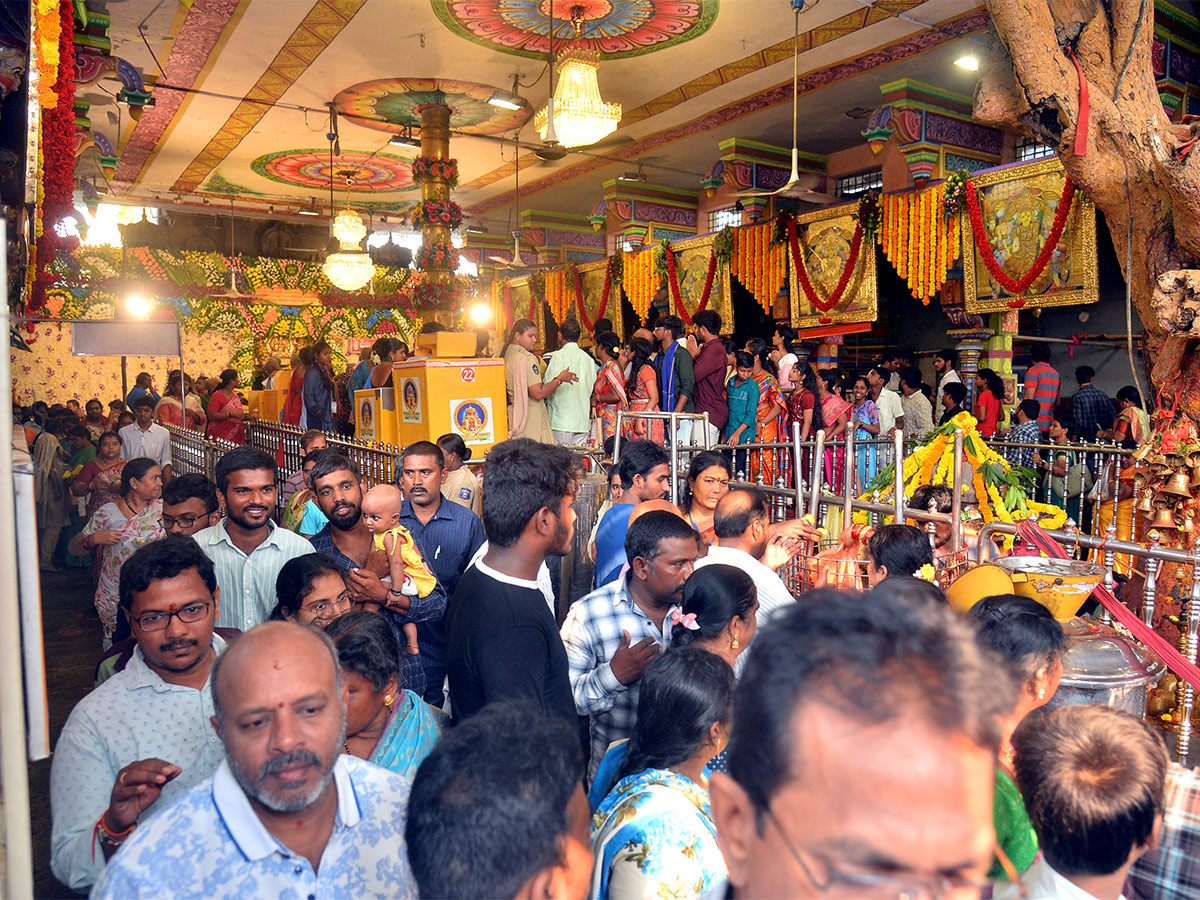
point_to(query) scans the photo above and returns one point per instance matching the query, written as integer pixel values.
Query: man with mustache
(338, 485)
(447, 536)
(246, 547)
(645, 470)
(613, 633)
(141, 739)
(287, 814)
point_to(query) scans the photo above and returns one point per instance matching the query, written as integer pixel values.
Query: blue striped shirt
(247, 583)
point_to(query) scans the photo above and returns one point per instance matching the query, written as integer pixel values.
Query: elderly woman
(654, 832)
(707, 482)
(171, 410)
(100, 479)
(310, 590)
(390, 727)
(121, 528)
(1031, 642)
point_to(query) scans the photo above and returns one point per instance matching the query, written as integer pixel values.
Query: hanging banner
(1012, 215)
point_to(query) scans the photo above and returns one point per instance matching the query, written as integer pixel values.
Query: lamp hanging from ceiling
(579, 114)
(349, 267)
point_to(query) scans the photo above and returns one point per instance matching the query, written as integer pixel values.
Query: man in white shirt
(918, 411)
(743, 527)
(891, 413)
(570, 407)
(944, 362)
(247, 548)
(1093, 779)
(148, 722)
(147, 438)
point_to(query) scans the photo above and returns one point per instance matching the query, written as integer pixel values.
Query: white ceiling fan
(802, 187)
(515, 262)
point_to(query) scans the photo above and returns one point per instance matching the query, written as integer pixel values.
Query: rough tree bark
(1130, 169)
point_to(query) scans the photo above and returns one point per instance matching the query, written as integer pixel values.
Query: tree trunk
(1149, 197)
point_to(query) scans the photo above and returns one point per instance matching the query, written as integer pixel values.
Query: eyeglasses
(326, 609)
(157, 621)
(876, 886)
(169, 522)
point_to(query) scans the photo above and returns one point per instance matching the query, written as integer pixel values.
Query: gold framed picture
(1017, 206)
(825, 238)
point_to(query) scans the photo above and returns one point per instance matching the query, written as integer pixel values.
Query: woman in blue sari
(392, 728)
(653, 834)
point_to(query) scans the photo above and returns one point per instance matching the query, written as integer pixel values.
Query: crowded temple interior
(600, 449)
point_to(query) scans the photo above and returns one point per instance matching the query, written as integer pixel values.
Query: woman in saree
(836, 413)
(82, 451)
(608, 394)
(172, 411)
(385, 724)
(642, 390)
(707, 482)
(1133, 424)
(523, 370)
(120, 529)
(293, 410)
(866, 428)
(653, 834)
(226, 415)
(770, 405)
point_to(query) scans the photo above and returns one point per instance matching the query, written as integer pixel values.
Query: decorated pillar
(970, 350)
(827, 352)
(437, 215)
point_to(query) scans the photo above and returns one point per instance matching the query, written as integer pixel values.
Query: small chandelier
(580, 115)
(350, 267)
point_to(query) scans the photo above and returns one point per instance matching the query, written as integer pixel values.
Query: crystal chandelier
(579, 113)
(350, 267)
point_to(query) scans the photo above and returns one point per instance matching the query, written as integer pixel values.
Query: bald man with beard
(287, 813)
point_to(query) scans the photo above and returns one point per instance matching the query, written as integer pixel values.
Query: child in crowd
(742, 396)
(381, 513)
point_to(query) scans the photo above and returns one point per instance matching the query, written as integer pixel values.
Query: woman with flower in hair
(898, 550)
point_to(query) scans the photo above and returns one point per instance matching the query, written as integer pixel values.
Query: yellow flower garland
(920, 241)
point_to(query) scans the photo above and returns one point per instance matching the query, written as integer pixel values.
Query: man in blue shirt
(142, 387)
(447, 536)
(645, 471)
(742, 397)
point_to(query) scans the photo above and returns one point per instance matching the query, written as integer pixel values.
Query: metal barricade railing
(671, 420)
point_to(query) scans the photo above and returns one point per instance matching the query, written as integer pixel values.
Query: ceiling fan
(515, 262)
(800, 187)
(232, 292)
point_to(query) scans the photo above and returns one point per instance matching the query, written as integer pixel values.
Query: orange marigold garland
(919, 237)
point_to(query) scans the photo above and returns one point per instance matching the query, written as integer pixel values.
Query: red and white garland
(1017, 287)
(802, 273)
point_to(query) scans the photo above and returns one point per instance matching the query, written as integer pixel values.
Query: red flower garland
(590, 324)
(984, 245)
(677, 295)
(802, 273)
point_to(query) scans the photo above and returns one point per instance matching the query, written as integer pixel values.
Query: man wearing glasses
(189, 504)
(143, 737)
(861, 767)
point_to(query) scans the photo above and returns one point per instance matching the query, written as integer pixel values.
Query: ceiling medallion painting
(613, 28)
(371, 172)
(391, 104)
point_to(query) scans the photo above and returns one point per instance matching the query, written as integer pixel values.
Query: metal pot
(1101, 666)
(1060, 585)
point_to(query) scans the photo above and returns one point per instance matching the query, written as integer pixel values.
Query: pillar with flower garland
(437, 297)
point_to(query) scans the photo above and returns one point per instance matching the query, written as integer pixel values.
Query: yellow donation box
(268, 404)
(375, 415)
(440, 396)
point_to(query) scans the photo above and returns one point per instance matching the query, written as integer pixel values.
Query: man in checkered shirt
(1090, 407)
(1171, 871)
(1025, 432)
(613, 633)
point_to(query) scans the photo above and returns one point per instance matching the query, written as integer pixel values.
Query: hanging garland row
(557, 298)
(760, 263)
(919, 235)
(641, 280)
(1018, 286)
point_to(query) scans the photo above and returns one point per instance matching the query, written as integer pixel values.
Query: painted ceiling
(243, 89)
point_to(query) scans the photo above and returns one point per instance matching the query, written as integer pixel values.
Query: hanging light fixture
(580, 115)
(349, 267)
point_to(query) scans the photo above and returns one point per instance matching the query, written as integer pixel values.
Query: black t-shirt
(502, 644)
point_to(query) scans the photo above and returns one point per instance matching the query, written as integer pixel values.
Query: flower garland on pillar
(56, 150)
(1018, 286)
(810, 292)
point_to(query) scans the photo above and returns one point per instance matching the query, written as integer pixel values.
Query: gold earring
(388, 701)
(734, 644)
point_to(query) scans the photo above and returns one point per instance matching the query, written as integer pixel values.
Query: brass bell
(1163, 519)
(1146, 504)
(1178, 485)
(1195, 482)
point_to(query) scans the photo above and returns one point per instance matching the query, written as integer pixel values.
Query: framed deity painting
(1020, 209)
(834, 260)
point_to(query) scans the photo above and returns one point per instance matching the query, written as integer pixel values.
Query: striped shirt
(247, 583)
(1045, 381)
